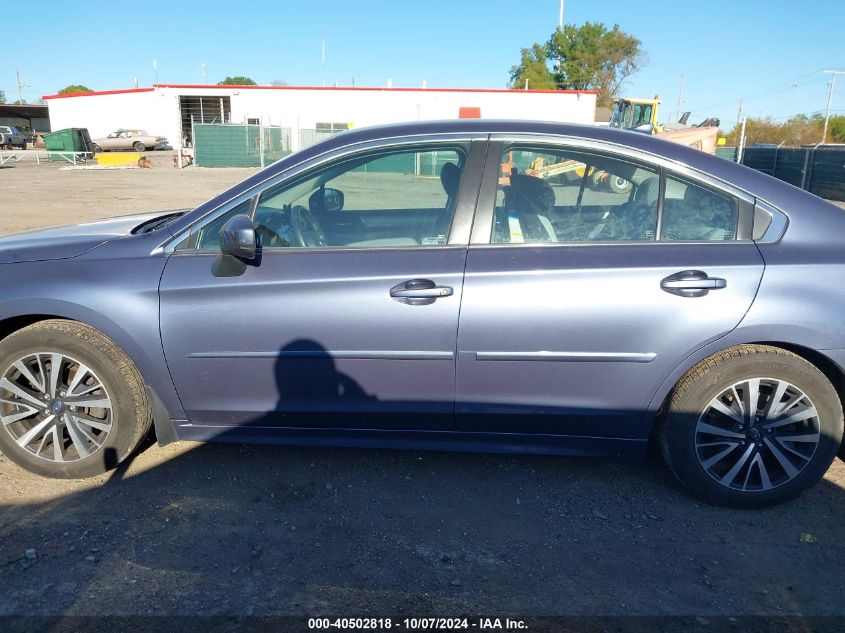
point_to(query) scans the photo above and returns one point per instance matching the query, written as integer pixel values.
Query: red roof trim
(371, 89)
(342, 88)
(97, 93)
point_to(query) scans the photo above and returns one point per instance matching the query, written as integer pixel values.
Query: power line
(766, 92)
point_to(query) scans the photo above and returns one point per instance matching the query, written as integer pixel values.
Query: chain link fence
(239, 145)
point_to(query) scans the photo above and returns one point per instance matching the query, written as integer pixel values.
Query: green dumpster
(70, 140)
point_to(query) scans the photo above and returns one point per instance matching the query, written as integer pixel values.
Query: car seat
(636, 219)
(529, 204)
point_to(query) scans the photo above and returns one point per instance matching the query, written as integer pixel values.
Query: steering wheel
(305, 229)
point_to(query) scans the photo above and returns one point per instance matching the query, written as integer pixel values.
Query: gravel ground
(37, 196)
(228, 529)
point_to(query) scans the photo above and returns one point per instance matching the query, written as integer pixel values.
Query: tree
(794, 132)
(589, 57)
(237, 80)
(19, 102)
(2, 96)
(533, 68)
(74, 88)
(836, 130)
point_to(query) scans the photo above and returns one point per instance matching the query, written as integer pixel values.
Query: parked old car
(343, 296)
(11, 137)
(137, 140)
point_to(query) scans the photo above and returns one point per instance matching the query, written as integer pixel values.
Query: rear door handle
(419, 292)
(691, 283)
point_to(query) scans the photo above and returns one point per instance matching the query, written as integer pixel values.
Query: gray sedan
(459, 285)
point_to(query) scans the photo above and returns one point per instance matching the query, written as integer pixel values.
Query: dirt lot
(228, 529)
(35, 196)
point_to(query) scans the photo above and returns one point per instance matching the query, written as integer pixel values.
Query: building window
(331, 127)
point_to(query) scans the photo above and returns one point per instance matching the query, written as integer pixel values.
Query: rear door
(580, 298)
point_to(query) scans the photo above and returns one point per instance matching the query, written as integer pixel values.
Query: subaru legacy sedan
(460, 285)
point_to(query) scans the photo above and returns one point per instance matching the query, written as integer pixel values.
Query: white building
(169, 109)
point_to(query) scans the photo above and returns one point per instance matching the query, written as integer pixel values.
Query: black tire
(138, 146)
(24, 145)
(617, 184)
(130, 413)
(96, 148)
(711, 377)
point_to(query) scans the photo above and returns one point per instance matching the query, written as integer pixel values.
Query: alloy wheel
(757, 434)
(55, 407)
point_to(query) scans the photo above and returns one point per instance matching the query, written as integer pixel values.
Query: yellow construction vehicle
(641, 115)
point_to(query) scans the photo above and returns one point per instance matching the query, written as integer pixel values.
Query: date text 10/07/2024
(417, 624)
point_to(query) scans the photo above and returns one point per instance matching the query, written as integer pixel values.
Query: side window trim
(661, 200)
(485, 208)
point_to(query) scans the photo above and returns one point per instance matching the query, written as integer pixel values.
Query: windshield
(627, 115)
(5, 129)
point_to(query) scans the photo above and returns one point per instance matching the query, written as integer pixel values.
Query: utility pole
(155, 68)
(680, 100)
(323, 59)
(204, 69)
(21, 85)
(560, 18)
(833, 74)
(741, 142)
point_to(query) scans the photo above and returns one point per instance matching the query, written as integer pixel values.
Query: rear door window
(566, 195)
(693, 212)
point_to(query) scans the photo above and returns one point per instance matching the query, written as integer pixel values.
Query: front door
(349, 319)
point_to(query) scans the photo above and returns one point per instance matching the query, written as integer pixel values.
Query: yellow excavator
(641, 115)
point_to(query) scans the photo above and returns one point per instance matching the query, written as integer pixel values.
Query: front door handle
(691, 283)
(419, 292)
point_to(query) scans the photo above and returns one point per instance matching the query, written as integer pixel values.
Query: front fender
(124, 307)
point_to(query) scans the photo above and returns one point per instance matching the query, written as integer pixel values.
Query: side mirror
(326, 199)
(237, 237)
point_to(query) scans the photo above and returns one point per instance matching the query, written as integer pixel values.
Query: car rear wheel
(72, 403)
(97, 149)
(752, 426)
(138, 146)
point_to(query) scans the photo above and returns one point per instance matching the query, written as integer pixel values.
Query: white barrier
(39, 156)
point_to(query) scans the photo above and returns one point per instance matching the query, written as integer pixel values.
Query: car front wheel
(72, 403)
(751, 427)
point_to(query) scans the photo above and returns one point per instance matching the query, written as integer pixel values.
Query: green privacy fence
(239, 145)
(819, 169)
(424, 163)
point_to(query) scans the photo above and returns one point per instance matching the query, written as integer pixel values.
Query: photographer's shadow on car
(312, 392)
(306, 373)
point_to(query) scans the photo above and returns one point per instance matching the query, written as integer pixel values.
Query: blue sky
(772, 52)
